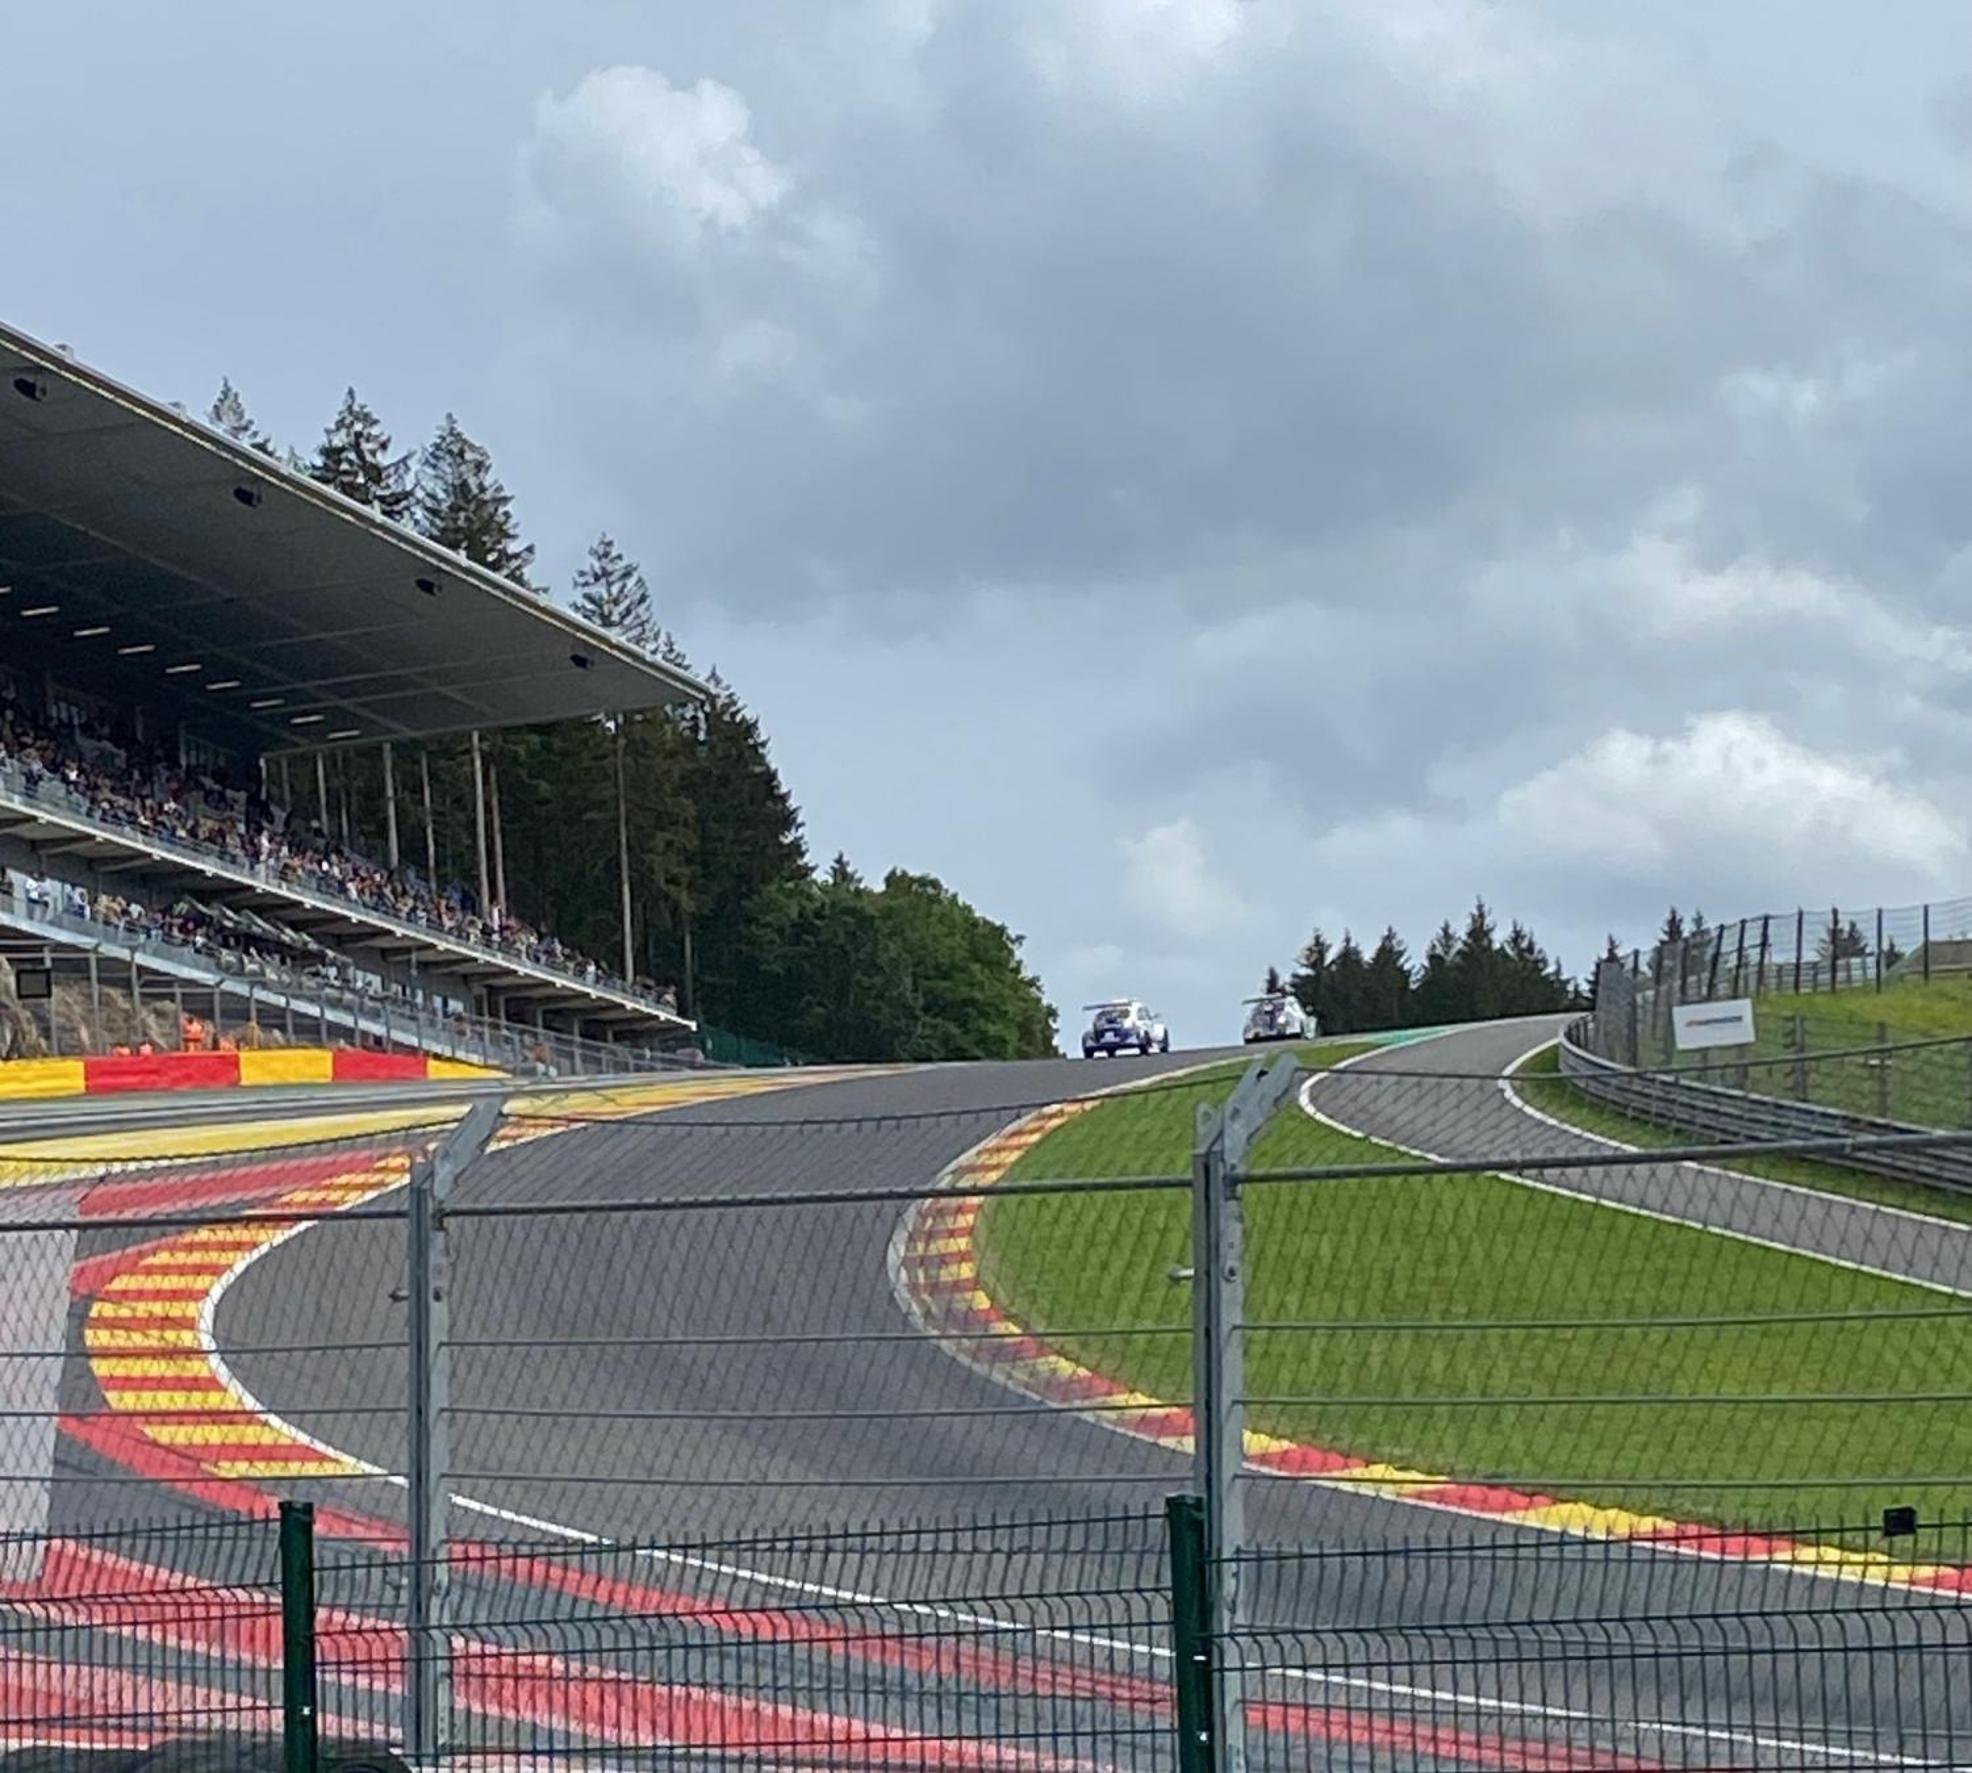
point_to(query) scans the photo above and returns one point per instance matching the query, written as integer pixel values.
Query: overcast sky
(1180, 470)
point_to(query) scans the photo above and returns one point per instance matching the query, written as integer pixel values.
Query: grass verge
(1484, 1329)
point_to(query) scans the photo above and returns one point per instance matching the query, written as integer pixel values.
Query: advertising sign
(1698, 1025)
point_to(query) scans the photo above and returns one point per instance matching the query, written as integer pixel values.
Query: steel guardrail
(1719, 1111)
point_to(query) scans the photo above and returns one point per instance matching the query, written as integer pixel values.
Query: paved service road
(748, 1368)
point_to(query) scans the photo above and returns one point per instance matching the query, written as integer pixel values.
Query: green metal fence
(723, 1047)
(1075, 1641)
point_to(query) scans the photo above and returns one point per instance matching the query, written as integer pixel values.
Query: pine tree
(1388, 999)
(1309, 982)
(1275, 985)
(354, 458)
(610, 591)
(1347, 993)
(747, 838)
(1435, 998)
(461, 505)
(1476, 968)
(228, 413)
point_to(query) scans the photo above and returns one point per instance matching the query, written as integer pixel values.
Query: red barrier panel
(358, 1067)
(160, 1071)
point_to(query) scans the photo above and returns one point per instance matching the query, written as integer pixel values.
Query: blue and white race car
(1123, 1025)
(1277, 1016)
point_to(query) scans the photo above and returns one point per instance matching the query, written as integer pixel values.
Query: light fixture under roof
(40, 609)
(90, 633)
(306, 719)
(224, 683)
(142, 646)
(181, 670)
(261, 703)
(345, 732)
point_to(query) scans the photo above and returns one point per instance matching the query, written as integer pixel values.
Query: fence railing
(107, 991)
(1807, 950)
(1529, 1451)
(1069, 1641)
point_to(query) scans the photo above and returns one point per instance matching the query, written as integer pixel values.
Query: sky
(1182, 471)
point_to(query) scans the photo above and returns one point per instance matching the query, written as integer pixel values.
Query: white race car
(1123, 1026)
(1277, 1016)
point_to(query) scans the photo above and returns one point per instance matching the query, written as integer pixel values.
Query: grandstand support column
(623, 856)
(479, 821)
(95, 997)
(322, 792)
(499, 836)
(431, 830)
(390, 806)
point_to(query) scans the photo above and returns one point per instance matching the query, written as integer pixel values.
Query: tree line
(1469, 975)
(726, 905)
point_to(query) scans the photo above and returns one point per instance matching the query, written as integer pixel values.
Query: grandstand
(190, 634)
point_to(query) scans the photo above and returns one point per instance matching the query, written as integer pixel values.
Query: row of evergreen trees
(725, 903)
(1466, 976)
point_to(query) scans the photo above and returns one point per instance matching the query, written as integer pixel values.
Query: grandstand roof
(149, 559)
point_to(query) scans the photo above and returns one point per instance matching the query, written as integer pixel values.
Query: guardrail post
(1191, 1634)
(429, 1286)
(299, 1690)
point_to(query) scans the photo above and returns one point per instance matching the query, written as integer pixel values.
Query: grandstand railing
(51, 799)
(237, 996)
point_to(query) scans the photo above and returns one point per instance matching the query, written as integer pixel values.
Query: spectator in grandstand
(124, 784)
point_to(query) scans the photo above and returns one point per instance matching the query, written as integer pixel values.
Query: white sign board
(1728, 1024)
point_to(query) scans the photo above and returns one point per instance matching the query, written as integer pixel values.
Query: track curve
(808, 1430)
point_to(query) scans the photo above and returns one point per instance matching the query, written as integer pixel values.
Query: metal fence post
(428, 1287)
(1879, 948)
(1800, 941)
(1191, 1633)
(1926, 949)
(1224, 1137)
(299, 1694)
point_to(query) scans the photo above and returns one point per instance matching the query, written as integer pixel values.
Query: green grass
(1541, 1086)
(1924, 1086)
(1908, 1008)
(1446, 1322)
(1148, 1131)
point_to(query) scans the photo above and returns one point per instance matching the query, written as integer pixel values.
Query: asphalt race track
(801, 1400)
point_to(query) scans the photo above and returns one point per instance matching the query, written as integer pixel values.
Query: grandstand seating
(113, 782)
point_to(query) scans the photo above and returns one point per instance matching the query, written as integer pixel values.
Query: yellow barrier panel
(441, 1068)
(41, 1077)
(298, 1065)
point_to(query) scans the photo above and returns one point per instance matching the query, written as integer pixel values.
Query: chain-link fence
(1823, 981)
(830, 1425)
